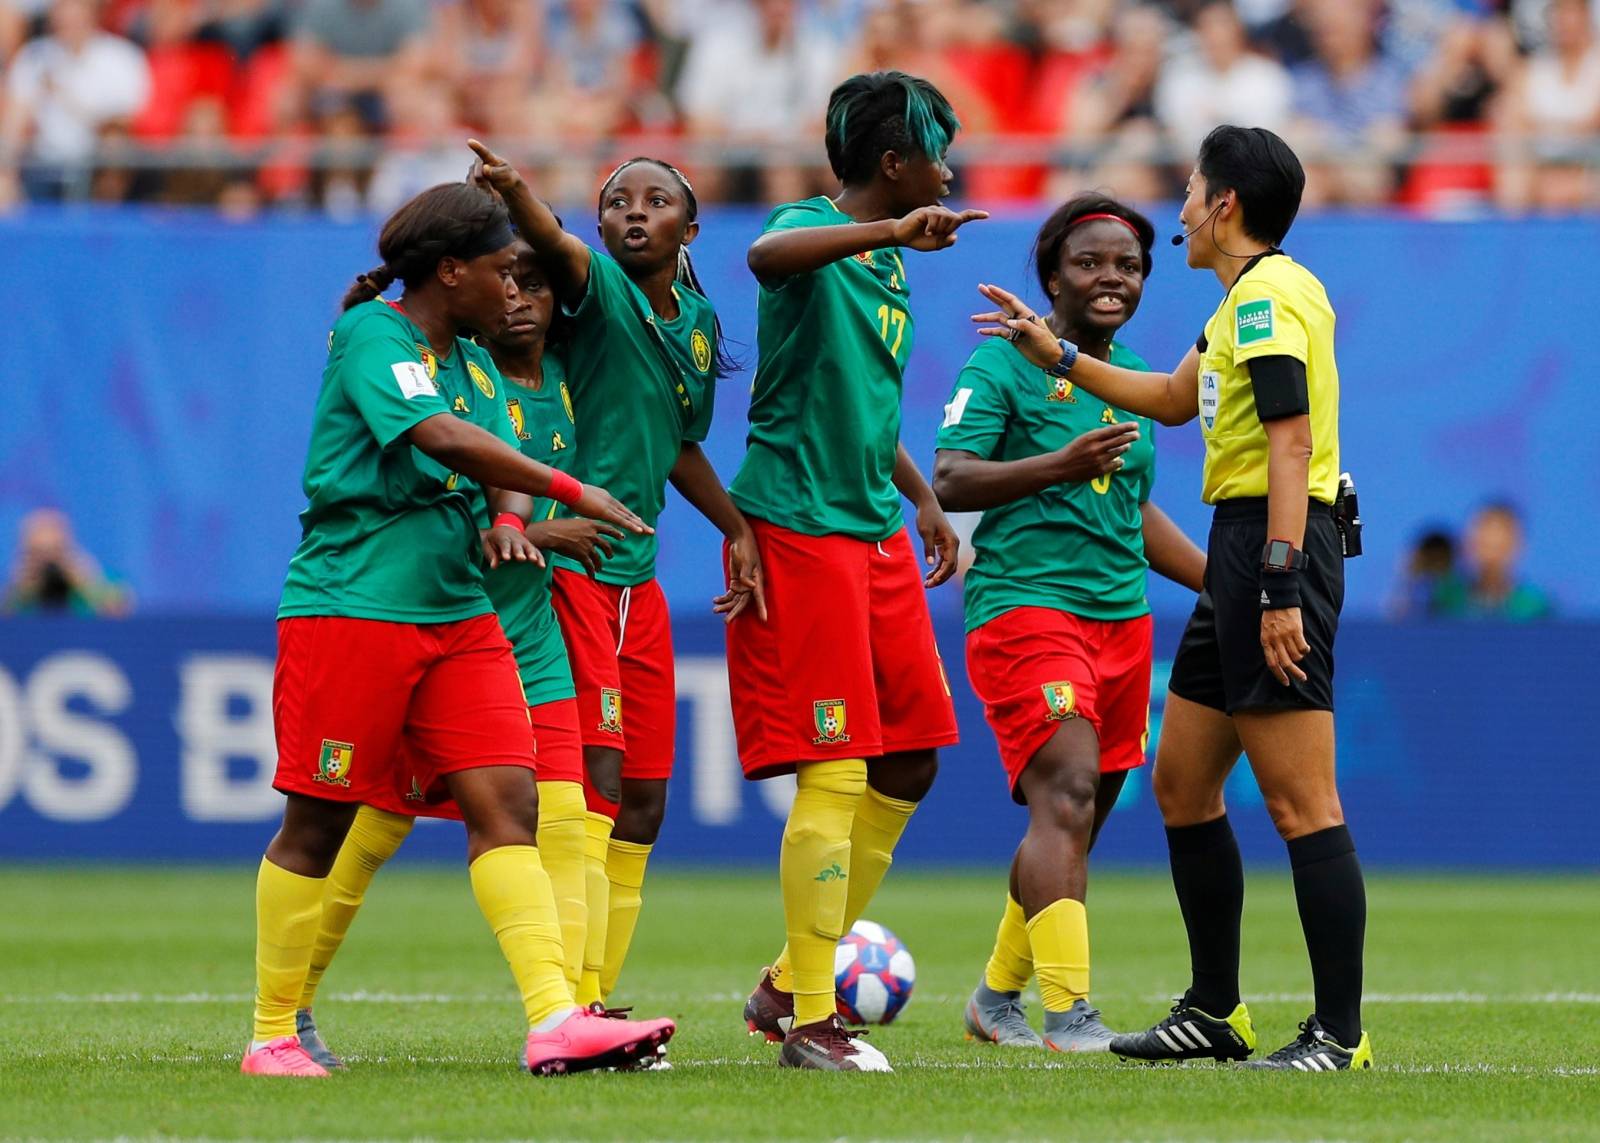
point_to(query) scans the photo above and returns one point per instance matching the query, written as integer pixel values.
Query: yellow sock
(514, 895)
(287, 908)
(879, 822)
(814, 869)
(373, 839)
(561, 843)
(596, 845)
(625, 864)
(1011, 963)
(1059, 937)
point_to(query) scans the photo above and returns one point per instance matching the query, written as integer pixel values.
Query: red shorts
(558, 757)
(371, 711)
(1036, 667)
(619, 640)
(845, 665)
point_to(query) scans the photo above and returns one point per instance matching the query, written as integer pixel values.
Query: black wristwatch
(1282, 556)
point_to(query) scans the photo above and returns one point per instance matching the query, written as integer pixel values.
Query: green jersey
(387, 532)
(641, 387)
(825, 406)
(1073, 547)
(542, 420)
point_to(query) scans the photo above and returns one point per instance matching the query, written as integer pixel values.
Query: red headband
(1109, 218)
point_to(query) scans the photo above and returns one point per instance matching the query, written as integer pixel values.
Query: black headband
(497, 235)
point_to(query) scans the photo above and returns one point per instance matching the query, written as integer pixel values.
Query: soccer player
(528, 350)
(645, 355)
(842, 684)
(386, 638)
(1254, 669)
(1058, 629)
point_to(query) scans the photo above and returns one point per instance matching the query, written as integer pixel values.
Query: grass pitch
(124, 1003)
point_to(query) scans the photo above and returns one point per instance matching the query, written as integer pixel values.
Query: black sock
(1209, 878)
(1333, 913)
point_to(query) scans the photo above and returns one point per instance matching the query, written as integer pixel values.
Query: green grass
(124, 1004)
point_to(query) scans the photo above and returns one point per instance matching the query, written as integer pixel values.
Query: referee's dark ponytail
(453, 219)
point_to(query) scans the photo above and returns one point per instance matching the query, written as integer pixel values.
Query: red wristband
(509, 520)
(564, 489)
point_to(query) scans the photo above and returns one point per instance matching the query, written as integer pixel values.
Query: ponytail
(368, 287)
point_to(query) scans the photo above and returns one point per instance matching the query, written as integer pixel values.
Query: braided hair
(453, 219)
(726, 362)
(877, 112)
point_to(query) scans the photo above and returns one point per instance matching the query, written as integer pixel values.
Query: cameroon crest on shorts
(610, 710)
(1060, 700)
(333, 763)
(1060, 391)
(480, 379)
(700, 345)
(829, 717)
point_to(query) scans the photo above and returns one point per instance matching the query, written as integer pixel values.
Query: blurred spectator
(1552, 118)
(425, 148)
(1429, 576)
(587, 78)
(52, 574)
(1114, 107)
(490, 50)
(342, 168)
(1350, 107)
(1223, 82)
(246, 26)
(354, 53)
(763, 79)
(204, 133)
(1491, 590)
(64, 89)
(1459, 73)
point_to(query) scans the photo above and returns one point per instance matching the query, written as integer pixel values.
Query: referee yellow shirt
(1276, 308)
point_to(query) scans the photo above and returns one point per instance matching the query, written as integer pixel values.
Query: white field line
(366, 997)
(1007, 1063)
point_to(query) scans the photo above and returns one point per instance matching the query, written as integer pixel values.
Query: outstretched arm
(564, 257)
(780, 254)
(698, 483)
(1171, 398)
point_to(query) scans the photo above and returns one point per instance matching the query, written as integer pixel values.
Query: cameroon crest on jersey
(334, 762)
(519, 422)
(700, 346)
(829, 717)
(1060, 700)
(480, 379)
(430, 361)
(1061, 390)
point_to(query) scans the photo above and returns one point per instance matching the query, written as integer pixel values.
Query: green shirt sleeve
(975, 419)
(700, 427)
(383, 377)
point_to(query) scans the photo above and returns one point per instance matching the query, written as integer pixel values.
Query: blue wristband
(1069, 358)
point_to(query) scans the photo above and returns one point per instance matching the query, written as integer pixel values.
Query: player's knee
(907, 776)
(1182, 800)
(604, 769)
(1296, 816)
(644, 808)
(1067, 803)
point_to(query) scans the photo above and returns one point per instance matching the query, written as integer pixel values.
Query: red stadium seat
(252, 106)
(180, 74)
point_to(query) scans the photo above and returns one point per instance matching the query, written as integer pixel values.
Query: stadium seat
(180, 74)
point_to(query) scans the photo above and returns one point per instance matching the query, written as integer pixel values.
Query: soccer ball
(872, 974)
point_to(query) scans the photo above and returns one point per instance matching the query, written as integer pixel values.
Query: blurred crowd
(1477, 576)
(349, 105)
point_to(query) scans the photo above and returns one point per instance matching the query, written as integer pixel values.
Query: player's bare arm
(503, 543)
(698, 483)
(780, 254)
(1171, 553)
(1289, 449)
(565, 257)
(1171, 398)
(966, 482)
(474, 452)
(940, 543)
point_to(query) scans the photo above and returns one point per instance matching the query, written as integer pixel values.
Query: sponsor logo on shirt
(333, 764)
(1060, 703)
(610, 710)
(700, 345)
(829, 717)
(556, 443)
(1209, 382)
(1253, 321)
(413, 379)
(480, 379)
(460, 406)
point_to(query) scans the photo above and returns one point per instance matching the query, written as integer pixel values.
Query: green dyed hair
(872, 114)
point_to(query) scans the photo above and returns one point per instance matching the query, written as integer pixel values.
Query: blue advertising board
(1465, 746)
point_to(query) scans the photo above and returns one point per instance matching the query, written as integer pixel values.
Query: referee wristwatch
(1281, 565)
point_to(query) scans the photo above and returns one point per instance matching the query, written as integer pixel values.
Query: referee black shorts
(1220, 663)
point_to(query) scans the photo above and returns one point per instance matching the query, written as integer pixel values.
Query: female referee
(1255, 667)
(392, 668)
(1058, 629)
(842, 681)
(645, 355)
(529, 351)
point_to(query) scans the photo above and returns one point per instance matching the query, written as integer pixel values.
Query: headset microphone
(1179, 239)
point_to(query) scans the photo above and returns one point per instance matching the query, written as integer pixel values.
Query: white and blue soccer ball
(873, 974)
